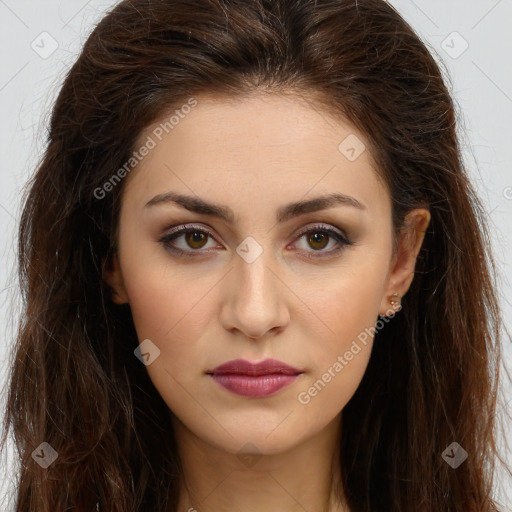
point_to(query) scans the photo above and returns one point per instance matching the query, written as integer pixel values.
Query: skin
(255, 155)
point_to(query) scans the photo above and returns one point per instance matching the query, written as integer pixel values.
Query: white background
(482, 86)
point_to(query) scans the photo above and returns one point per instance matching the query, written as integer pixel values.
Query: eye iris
(196, 237)
(318, 240)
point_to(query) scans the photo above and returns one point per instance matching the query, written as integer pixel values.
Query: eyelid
(183, 228)
(321, 227)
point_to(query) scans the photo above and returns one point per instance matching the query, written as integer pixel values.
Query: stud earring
(396, 305)
(395, 300)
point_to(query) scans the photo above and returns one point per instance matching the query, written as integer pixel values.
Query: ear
(113, 277)
(404, 261)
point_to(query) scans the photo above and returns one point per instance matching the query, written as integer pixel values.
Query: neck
(306, 477)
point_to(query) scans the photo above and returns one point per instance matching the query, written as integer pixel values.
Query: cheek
(173, 308)
(167, 307)
(173, 312)
(163, 296)
(348, 310)
(348, 300)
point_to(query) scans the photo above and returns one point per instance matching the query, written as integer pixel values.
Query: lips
(244, 367)
(255, 380)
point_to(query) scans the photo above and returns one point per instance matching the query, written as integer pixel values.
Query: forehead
(269, 144)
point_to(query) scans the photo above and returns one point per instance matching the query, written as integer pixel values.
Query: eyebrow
(284, 213)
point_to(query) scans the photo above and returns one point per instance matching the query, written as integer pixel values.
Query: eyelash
(180, 230)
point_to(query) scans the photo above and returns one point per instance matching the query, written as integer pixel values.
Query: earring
(396, 305)
(395, 300)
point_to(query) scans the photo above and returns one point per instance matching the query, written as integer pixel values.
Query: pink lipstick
(255, 380)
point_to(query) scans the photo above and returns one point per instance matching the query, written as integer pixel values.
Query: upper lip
(244, 367)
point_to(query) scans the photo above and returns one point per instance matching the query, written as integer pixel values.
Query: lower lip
(257, 386)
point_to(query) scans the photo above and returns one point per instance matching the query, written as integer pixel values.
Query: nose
(256, 297)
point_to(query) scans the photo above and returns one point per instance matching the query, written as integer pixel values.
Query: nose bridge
(257, 299)
(253, 267)
(255, 279)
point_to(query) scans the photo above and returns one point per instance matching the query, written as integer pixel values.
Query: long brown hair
(75, 382)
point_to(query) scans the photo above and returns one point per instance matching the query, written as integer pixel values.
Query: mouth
(256, 380)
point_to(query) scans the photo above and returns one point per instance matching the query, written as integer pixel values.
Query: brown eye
(196, 239)
(188, 240)
(318, 240)
(321, 241)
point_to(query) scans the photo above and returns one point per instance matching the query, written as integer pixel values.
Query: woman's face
(288, 255)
